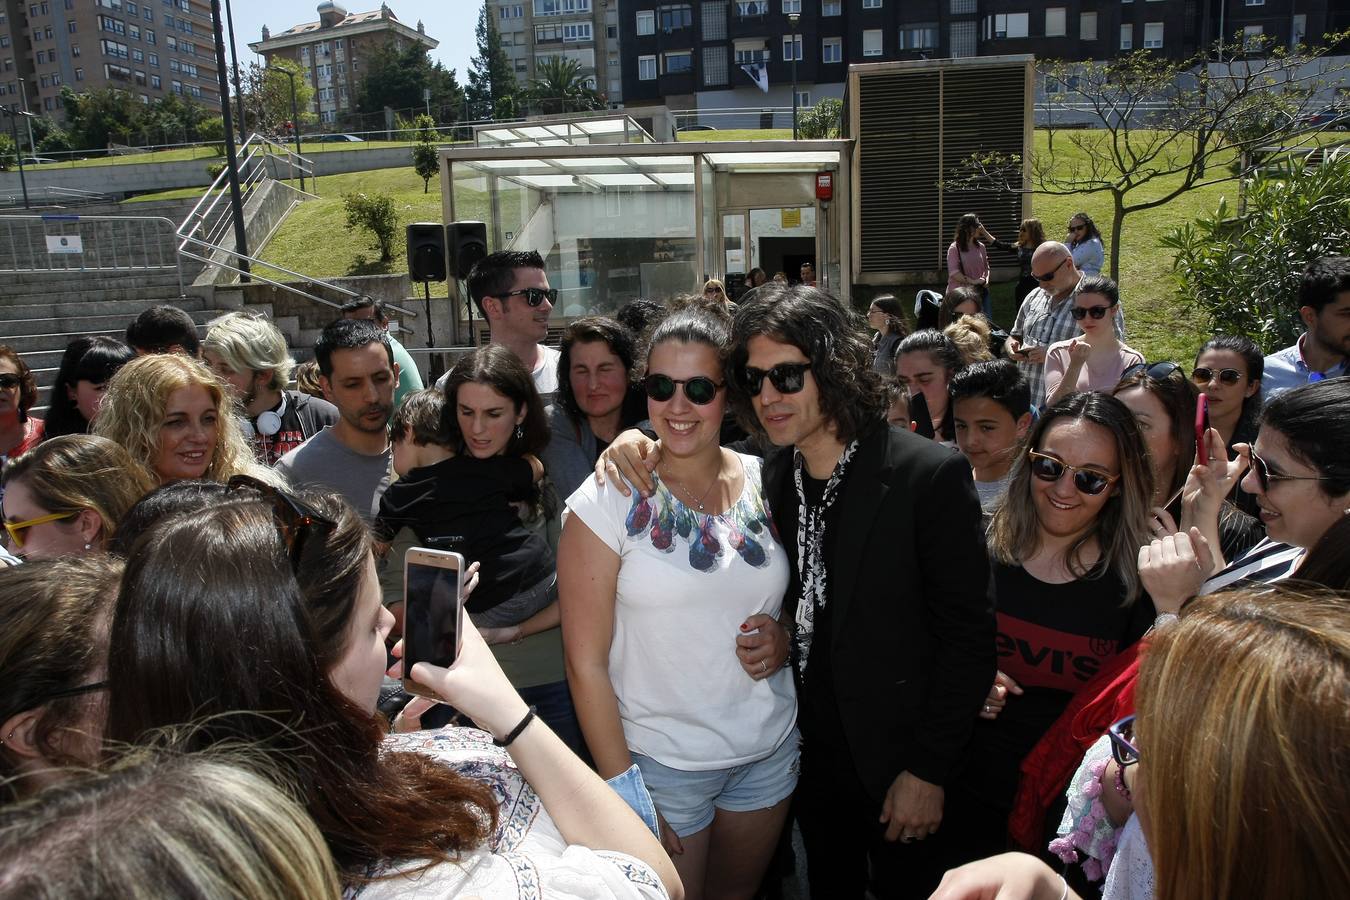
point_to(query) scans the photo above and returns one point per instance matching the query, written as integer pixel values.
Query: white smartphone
(433, 611)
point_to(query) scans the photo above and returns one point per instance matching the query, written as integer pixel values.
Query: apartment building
(584, 30)
(690, 53)
(150, 48)
(330, 51)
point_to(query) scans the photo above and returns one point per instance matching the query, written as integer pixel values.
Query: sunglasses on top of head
(533, 296)
(700, 390)
(786, 378)
(1052, 468)
(1080, 313)
(1203, 375)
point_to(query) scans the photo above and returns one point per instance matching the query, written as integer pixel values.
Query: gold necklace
(688, 493)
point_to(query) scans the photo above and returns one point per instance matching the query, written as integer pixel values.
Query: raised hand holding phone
(433, 610)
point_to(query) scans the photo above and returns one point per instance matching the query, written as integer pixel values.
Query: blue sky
(449, 21)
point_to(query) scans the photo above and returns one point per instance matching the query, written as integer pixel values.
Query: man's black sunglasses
(700, 390)
(534, 296)
(787, 378)
(1051, 274)
(292, 515)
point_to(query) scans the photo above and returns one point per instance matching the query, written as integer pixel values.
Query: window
(673, 18)
(1256, 2)
(132, 10)
(74, 49)
(581, 31)
(612, 32)
(1127, 37)
(749, 52)
(831, 7)
(1087, 26)
(1153, 35)
(337, 43)
(174, 66)
(871, 4)
(137, 54)
(715, 21)
(558, 7)
(832, 50)
(304, 51)
(1013, 25)
(1299, 30)
(149, 36)
(42, 56)
(71, 27)
(176, 87)
(872, 41)
(749, 9)
(792, 6)
(679, 62)
(134, 32)
(714, 66)
(803, 99)
(79, 74)
(148, 14)
(114, 49)
(1055, 22)
(156, 82)
(919, 37)
(1251, 37)
(792, 47)
(646, 68)
(154, 60)
(44, 81)
(646, 21)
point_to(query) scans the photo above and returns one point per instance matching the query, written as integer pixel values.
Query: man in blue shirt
(1322, 351)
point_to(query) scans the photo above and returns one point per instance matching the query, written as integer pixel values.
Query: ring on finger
(764, 667)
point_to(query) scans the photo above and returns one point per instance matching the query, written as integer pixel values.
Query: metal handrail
(201, 238)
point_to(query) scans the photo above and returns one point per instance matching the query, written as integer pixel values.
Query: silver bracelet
(1064, 895)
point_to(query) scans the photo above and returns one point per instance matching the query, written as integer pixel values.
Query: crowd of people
(737, 570)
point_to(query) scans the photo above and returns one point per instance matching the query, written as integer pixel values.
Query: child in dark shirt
(469, 505)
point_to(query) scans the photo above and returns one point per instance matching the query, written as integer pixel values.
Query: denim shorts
(689, 800)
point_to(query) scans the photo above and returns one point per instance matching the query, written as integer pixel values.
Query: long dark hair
(852, 396)
(1090, 231)
(1121, 527)
(1256, 370)
(224, 570)
(501, 370)
(92, 359)
(966, 229)
(594, 329)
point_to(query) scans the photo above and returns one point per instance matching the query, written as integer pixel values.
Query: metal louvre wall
(915, 122)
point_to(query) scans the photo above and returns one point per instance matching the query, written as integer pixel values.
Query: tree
(267, 96)
(559, 87)
(374, 214)
(1242, 272)
(1159, 128)
(492, 82)
(97, 118)
(425, 153)
(397, 78)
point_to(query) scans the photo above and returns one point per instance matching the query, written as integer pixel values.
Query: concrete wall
(263, 214)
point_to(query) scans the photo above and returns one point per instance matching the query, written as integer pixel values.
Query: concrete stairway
(40, 313)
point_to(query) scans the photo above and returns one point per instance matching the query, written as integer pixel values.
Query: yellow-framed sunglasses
(16, 529)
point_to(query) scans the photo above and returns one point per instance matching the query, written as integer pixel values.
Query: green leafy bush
(213, 170)
(822, 120)
(374, 214)
(426, 162)
(1243, 271)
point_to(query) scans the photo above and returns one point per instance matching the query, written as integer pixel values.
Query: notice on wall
(792, 218)
(64, 243)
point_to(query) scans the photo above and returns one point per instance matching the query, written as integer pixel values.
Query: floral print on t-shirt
(666, 522)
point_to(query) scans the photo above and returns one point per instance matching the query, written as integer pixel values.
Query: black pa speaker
(426, 251)
(468, 244)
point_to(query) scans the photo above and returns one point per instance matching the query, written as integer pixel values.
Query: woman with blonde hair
(714, 290)
(171, 414)
(1238, 754)
(971, 335)
(1030, 235)
(165, 824)
(54, 616)
(67, 495)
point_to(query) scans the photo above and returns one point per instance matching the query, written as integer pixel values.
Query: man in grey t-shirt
(358, 375)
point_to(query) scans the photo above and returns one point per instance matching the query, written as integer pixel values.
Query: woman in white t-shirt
(655, 593)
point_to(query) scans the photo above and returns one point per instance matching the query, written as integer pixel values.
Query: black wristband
(515, 732)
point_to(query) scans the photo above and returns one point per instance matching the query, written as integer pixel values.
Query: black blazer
(912, 627)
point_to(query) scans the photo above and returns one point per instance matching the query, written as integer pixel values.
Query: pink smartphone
(1201, 426)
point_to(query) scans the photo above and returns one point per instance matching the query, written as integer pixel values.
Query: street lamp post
(13, 113)
(793, 19)
(295, 116)
(234, 58)
(28, 115)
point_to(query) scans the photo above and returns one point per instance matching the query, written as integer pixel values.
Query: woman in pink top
(967, 261)
(1094, 360)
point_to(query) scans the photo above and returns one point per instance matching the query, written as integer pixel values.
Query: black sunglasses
(1080, 313)
(534, 296)
(9, 380)
(1204, 375)
(1156, 371)
(700, 390)
(1122, 742)
(786, 378)
(1051, 274)
(1264, 476)
(292, 515)
(1052, 469)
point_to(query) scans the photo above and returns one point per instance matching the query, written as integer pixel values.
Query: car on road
(37, 160)
(1335, 118)
(337, 139)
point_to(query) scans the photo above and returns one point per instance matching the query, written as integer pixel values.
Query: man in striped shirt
(1046, 315)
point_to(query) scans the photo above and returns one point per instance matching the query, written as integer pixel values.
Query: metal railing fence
(73, 243)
